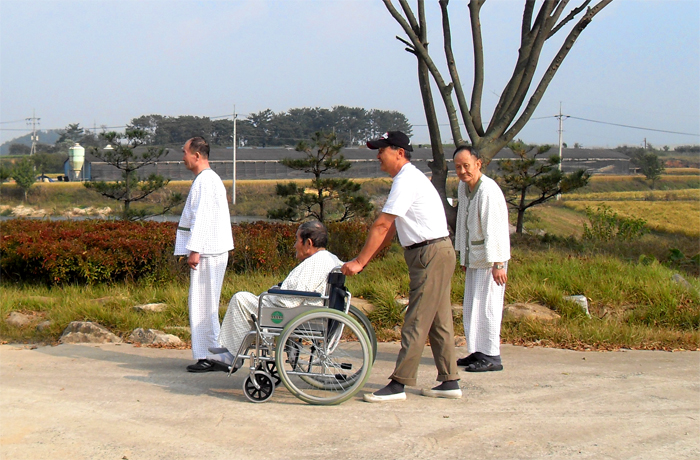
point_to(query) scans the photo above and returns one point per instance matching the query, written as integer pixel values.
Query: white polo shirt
(416, 204)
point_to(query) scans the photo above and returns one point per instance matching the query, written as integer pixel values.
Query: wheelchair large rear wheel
(362, 319)
(323, 357)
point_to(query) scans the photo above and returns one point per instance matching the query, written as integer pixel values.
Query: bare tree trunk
(521, 214)
(321, 206)
(438, 166)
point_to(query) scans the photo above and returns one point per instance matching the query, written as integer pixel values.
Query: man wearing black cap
(414, 211)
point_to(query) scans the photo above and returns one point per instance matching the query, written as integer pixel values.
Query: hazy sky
(106, 62)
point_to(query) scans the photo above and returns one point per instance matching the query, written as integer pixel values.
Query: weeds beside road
(633, 301)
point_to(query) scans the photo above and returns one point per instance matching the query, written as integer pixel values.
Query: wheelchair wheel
(265, 389)
(330, 360)
(362, 319)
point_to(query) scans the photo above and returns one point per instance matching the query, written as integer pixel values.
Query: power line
(595, 121)
(635, 127)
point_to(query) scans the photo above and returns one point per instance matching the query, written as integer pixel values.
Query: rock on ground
(153, 307)
(87, 332)
(529, 311)
(153, 337)
(18, 319)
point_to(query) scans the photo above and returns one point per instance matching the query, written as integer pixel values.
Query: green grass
(633, 305)
(632, 299)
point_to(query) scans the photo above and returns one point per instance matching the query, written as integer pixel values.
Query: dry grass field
(681, 217)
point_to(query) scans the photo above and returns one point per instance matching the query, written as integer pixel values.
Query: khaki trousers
(429, 313)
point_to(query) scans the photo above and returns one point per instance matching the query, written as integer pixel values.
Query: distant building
(263, 163)
(594, 161)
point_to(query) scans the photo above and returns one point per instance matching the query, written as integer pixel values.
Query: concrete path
(122, 402)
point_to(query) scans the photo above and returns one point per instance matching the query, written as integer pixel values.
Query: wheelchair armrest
(293, 293)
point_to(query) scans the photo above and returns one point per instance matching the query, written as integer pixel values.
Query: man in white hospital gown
(204, 235)
(310, 275)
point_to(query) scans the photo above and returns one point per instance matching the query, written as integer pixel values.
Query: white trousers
(238, 321)
(483, 310)
(205, 292)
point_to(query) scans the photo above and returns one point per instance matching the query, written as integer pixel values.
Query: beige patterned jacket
(482, 234)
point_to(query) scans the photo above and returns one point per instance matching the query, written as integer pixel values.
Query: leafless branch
(553, 67)
(569, 17)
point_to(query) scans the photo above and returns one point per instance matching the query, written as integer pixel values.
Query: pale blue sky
(105, 62)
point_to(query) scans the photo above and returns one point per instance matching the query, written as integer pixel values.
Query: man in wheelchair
(310, 275)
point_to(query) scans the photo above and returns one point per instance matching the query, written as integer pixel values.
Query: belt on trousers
(426, 242)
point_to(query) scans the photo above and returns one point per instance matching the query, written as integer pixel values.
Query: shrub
(346, 239)
(607, 225)
(96, 251)
(87, 251)
(263, 246)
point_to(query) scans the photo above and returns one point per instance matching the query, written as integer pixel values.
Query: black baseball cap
(395, 138)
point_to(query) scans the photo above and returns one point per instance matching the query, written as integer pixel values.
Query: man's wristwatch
(498, 266)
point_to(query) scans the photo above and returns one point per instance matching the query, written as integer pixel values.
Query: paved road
(122, 402)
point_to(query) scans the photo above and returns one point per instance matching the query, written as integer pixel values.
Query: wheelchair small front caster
(272, 370)
(259, 390)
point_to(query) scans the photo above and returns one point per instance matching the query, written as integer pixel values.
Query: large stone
(153, 337)
(18, 319)
(87, 332)
(678, 279)
(581, 300)
(151, 307)
(44, 325)
(531, 311)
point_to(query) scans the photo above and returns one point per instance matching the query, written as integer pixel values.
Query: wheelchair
(322, 351)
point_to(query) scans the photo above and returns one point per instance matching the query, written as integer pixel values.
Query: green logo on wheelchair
(276, 317)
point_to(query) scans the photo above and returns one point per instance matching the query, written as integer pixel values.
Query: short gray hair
(467, 148)
(315, 231)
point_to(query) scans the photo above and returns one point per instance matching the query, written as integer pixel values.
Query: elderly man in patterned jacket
(482, 238)
(310, 275)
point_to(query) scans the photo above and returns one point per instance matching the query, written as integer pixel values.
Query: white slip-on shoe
(449, 394)
(371, 397)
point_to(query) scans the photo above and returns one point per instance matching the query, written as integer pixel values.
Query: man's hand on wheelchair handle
(352, 267)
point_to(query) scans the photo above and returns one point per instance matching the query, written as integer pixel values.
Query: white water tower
(76, 158)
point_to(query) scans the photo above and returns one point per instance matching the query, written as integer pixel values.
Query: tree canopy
(132, 187)
(352, 125)
(326, 199)
(24, 175)
(529, 181)
(522, 92)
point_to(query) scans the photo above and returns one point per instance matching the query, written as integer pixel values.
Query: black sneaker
(467, 360)
(483, 365)
(201, 366)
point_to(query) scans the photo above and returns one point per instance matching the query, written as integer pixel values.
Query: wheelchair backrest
(336, 291)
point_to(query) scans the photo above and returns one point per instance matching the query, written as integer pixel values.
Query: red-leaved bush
(88, 251)
(97, 251)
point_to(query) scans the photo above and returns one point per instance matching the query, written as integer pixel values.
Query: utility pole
(235, 142)
(35, 137)
(561, 139)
